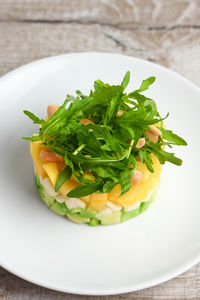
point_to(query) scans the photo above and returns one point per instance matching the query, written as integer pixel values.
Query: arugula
(33, 117)
(63, 176)
(107, 146)
(84, 190)
(171, 137)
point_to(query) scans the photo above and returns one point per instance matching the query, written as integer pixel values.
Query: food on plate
(98, 158)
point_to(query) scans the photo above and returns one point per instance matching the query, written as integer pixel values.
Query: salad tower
(98, 158)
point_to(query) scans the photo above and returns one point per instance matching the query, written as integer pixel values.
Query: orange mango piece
(52, 170)
(38, 166)
(98, 201)
(36, 148)
(138, 192)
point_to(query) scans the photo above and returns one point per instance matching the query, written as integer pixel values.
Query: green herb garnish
(63, 176)
(107, 146)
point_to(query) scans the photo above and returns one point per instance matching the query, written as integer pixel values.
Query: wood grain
(165, 32)
(185, 286)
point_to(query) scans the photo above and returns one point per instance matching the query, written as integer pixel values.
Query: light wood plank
(22, 43)
(185, 286)
(127, 13)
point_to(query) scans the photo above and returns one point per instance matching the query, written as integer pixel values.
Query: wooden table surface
(163, 31)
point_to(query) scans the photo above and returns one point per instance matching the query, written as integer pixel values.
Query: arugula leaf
(146, 83)
(63, 176)
(84, 190)
(108, 186)
(163, 155)
(148, 160)
(172, 137)
(126, 80)
(33, 138)
(33, 117)
(125, 181)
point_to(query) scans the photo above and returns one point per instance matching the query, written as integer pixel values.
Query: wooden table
(163, 31)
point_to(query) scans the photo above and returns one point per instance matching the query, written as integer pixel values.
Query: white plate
(47, 249)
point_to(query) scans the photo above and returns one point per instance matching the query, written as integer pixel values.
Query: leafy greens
(106, 147)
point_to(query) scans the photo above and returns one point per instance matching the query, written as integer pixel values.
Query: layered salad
(98, 157)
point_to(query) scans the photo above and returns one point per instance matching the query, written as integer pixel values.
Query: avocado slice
(111, 219)
(77, 219)
(48, 200)
(87, 213)
(144, 205)
(135, 212)
(94, 222)
(126, 215)
(59, 208)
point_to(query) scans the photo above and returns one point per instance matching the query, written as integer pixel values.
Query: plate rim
(128, 288)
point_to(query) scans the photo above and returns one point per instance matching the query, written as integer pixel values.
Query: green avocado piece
(111, 219)
(94, 222)
(87, 213)
(126, 215)
(77, 219)
(48, 200)
(144, 205)
(59, 208)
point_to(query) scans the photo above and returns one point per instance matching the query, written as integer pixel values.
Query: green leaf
(63, 176)
(172, 137)
(107, 147)
(163, 155)
(149, 162)
(33, 117)
(104, 171)
(108, 186)
(125, 181)
(84, 190)
(126, 80)
(33, 138)
(146, 83)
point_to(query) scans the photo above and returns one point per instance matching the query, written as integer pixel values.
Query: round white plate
(47, 249)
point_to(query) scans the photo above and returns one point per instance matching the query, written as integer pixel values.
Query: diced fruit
(87, 213)
(113, 199)
(138, 192)
(49, 187)
(113, 196)
(130, 214)
(112, 218)
(135, 194)
(86, 199)
(77, 219)
(38, 165)
(52, 171)
(144, 206)
(59, 208)
(98, 200)
(116, 190)
(48, 200)
(113, 206)
(67, 187)
(104, 212)
(60, 198)
(74, 203)
(36, 148)
(94, 222)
